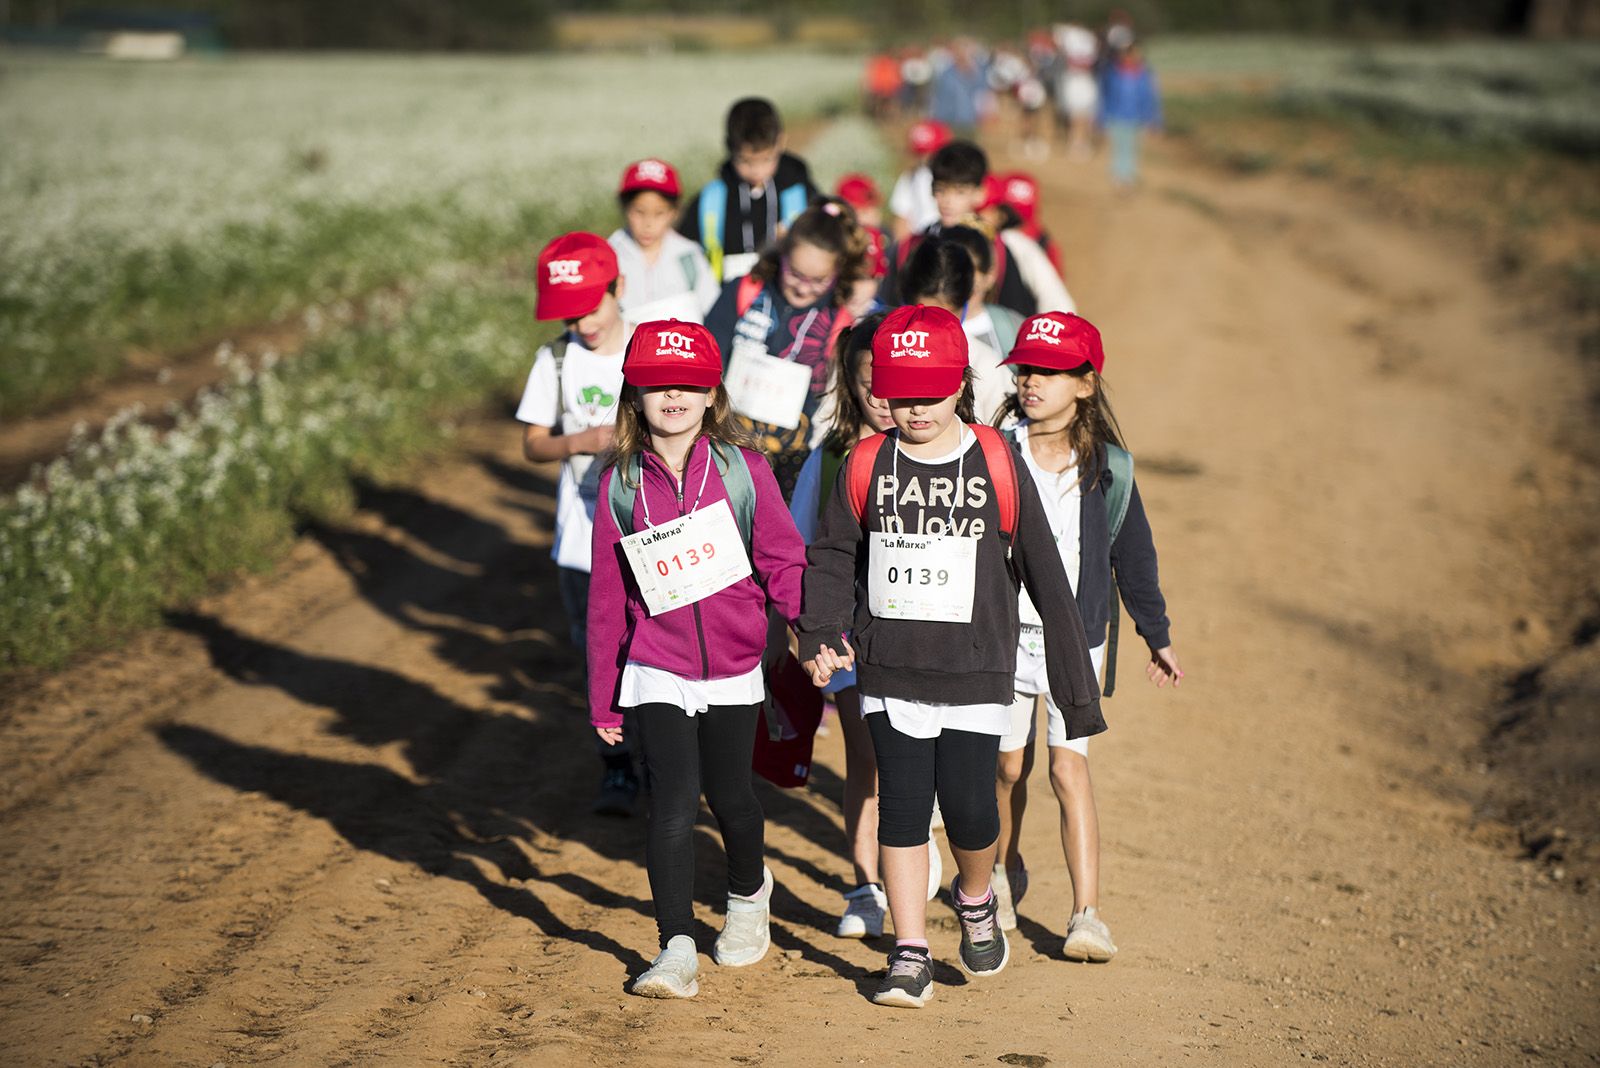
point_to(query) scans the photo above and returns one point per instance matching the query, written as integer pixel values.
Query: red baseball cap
(1021, 191)
(655, 175)
(858, 191)
(928, 136)
(574, 271)
(993, 192)
(919, 351)
(670, 352)
(1059, 340)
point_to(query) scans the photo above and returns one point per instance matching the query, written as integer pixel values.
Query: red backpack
(997, 455)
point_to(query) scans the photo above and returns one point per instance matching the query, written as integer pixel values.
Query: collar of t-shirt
(577, 344)
(1051, 478)
(965, 443)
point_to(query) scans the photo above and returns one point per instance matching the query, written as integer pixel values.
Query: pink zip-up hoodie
(715, 638)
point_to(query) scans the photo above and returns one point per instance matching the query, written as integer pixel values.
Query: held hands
(827, 662)
(1163, 666)
(609, 735)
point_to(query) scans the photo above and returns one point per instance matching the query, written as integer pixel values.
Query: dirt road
(339, 816)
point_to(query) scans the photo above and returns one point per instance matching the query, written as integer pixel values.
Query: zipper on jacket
(699, 626)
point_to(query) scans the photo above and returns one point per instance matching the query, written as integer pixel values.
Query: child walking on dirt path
(779, 325)
(668, 275)
(692, 542)
(1130, 103)
(937, 522)
(1072, 448)
(759, 190)
(858, 415)
(569, 406)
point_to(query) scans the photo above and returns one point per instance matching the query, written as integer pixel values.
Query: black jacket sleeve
(1133, 561)
(828, 603)
(689, 219)
(723, 317)
(1066, 650)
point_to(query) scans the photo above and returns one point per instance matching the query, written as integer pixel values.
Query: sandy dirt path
(339, 816)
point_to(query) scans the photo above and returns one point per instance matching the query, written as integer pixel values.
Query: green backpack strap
(691, 273)
(1120, 463)
(732, 468)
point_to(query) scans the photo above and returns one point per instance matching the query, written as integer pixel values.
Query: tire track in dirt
(375, 771)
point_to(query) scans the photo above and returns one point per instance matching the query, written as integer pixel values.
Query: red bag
(794, 708)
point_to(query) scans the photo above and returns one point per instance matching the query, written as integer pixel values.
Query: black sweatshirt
(1134, 557)
(948, 663)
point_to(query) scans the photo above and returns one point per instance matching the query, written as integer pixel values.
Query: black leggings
(960, 764)
(685, 755)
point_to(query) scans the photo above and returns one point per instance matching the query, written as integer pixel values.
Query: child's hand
(609, 735)
(594, 441)
(1163, 666)
(827, 662)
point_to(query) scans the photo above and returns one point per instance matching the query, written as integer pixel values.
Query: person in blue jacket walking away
(1129, 103)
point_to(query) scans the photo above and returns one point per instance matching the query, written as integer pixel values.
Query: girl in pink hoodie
(692, 542)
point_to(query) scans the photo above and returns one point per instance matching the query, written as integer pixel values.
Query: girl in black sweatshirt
(919, 555)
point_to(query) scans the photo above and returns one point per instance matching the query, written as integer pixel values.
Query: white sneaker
(1088, 938)
(746, 936)
(863, 913)
(673, 974)
(1009, 886)
(935, 869)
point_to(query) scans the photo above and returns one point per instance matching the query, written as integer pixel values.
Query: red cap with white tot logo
(669, 352)
(918, 352)
(1057, 340)
(655, 175)
(573, 273)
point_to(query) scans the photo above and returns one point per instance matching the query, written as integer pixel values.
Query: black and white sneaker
(909, 983)
(984, 950)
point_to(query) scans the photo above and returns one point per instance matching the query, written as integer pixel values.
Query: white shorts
(1025, 721)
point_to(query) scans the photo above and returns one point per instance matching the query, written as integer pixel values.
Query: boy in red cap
(692, 546)
(758, 191)
(1071, 446)
(918, 555)
(569, 406)
(911, 200)
(668, 275)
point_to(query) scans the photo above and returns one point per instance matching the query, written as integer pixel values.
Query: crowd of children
(775, 417)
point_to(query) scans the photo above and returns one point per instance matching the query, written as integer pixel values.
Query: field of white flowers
(152, 205)
(201, 174)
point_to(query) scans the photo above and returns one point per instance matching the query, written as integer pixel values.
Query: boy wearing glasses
(777, 327)
(759, 190)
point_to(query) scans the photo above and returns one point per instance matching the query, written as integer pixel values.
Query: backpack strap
(791, 202)
(558, 354)
(858, 469)
(734, 470)
(832, 462)
(1002, 464)
(622, 493)
(691, 273)
(745, 297)
(1119, 462)
(713, 204)
(841, 322)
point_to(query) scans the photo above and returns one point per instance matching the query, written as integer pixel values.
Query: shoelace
(906, 966)
(978, 920)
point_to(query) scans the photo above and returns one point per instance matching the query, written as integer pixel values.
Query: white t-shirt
(645, 685)
(1062, 498)
(925, 719)
(912, 199)
(591, 383)
(992, 383)
(679, 285)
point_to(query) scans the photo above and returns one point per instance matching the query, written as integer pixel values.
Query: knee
(972, 826)
(1009, 768)
(1069, 772)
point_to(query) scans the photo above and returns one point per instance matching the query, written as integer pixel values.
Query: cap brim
(898, 383)
(667, 375)
(570, 303)
(1052, 358)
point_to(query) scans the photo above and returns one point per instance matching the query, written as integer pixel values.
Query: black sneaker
(984, 950)
(909, 983)
(618, 790)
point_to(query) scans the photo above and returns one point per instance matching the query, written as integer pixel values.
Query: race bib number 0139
(922, 576)
(688, 559)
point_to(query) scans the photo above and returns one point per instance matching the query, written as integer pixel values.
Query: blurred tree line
(516, 25)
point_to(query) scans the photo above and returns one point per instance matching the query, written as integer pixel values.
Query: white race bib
(766, 388)
(922, 576)
(688, 559)
(738, 264)
(1032, 638)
